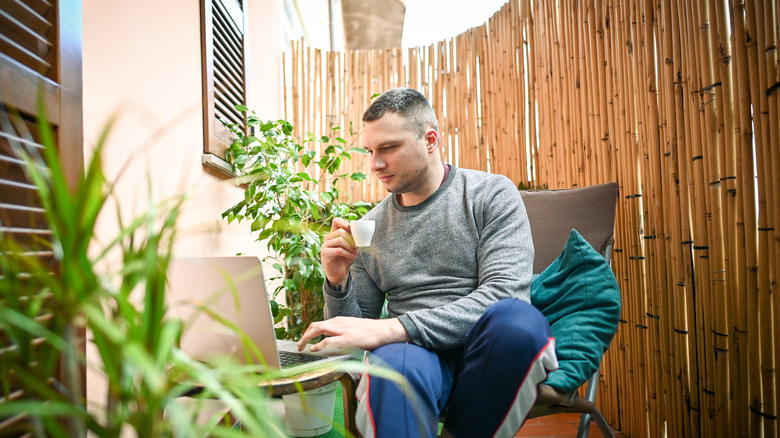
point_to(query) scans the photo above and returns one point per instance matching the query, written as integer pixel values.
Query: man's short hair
(407, 102)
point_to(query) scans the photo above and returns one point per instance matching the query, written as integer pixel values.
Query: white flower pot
(311, 414)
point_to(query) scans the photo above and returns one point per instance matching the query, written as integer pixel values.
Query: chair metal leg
(590, 395)
(602, 424)
(582, 431)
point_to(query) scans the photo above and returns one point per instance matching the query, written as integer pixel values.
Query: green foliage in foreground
(290, 209)
(44, 316)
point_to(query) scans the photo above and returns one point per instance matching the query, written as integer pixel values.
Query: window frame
(220, 66)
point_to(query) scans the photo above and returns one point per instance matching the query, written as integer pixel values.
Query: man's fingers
(316, 329)
(323, 344)
(339, 223)
(340, 239)
(308, 335)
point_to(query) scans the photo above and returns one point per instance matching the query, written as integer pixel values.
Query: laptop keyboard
(288, 359)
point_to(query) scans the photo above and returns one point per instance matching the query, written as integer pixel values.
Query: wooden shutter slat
(26, 57)
(228, 101)
(228, 52)
(18, 193)
(224, 32)
(21, 83)
(15, 395)
(9, 423)
(29, 17)
(16, 184)
(46, 257)
(41, 7)
(224, 111)
(228, 86)
(23, 34)
(14, 175)
(228, 20)
(224, 62)
(235, 79)
(6, 139)
(22, 215)
(31, 239)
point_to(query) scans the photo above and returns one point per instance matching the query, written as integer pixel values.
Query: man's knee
(419, 366)
(512, 322)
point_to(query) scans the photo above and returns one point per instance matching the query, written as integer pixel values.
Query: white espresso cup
(362, 232)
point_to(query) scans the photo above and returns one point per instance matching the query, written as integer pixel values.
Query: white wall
(142, 64)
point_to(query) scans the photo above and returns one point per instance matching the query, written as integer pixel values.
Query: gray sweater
(441, 263)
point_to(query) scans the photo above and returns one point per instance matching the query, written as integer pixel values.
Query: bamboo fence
(677, 101)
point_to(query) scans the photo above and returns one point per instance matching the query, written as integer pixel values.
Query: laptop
(233, 287)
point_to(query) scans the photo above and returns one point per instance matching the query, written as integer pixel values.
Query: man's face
(399, 157)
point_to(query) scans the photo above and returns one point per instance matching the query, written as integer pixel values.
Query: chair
(553, 214)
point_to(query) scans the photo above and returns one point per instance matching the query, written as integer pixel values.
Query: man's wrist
(398, 332)
(340, 286)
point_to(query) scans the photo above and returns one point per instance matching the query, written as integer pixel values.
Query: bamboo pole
(533, 86)
(654, 230)
(766, 190)
(772, 61)
(747, 214)
(724, 95)
(582, 111)
(625, 332)
(633, 172)
(682, 396)
(765, 324)
(623, 268)
(636, 137)
(716, 262)
(700, 209)
(672, 389)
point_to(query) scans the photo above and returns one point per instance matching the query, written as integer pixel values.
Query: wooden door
(40, 58)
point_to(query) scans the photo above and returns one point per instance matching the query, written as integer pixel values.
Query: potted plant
(291, 196)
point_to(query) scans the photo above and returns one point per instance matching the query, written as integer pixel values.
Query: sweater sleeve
(505, 260)
(346, 302)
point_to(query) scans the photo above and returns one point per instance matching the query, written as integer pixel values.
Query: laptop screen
(233, 288)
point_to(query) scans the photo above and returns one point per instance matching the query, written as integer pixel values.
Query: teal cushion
(579, 296)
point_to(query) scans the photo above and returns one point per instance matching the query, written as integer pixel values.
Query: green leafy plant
(291, 196)
(53, 292)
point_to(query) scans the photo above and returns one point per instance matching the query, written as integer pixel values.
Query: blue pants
(488, 386)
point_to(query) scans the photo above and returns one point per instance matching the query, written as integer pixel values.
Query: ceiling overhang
(373, 24)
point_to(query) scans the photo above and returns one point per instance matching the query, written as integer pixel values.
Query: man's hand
(363, 333)
(338, 252)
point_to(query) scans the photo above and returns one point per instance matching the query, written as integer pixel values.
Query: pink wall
(142, 65)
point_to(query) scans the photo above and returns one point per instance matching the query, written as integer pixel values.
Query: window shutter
(223, 25)
(40, 50)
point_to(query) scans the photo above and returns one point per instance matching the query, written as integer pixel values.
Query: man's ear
(431, 139)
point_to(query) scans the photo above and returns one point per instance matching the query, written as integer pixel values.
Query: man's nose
(377, 163)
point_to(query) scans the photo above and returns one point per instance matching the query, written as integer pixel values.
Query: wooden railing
(677, 101)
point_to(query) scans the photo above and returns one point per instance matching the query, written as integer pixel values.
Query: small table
(311, 380)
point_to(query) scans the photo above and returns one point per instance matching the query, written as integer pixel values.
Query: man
(452, 255)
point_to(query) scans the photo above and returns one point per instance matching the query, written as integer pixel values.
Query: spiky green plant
(45, 314)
